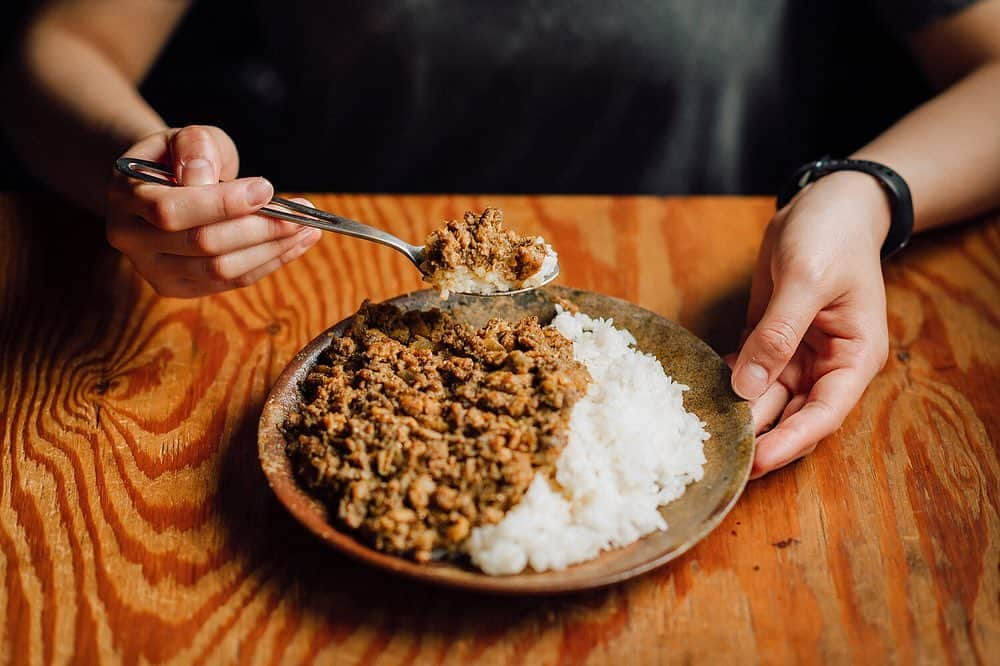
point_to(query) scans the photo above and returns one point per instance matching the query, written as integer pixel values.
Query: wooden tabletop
(136, 525)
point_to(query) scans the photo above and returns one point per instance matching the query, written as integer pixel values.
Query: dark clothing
(651, 96)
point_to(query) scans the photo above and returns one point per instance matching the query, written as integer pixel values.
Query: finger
(154, 147)
(234, 264)
(189, 288)
(825, 408)
(219, 238)
(774, 339)
(196, 157)
(797, 375)
(269, 267)
(766, 409)
(796, 403)
(230, 165)
(180, 208)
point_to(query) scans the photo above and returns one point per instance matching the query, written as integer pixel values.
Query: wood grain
(135, 524)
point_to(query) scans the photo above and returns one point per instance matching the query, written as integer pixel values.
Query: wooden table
(136, 526)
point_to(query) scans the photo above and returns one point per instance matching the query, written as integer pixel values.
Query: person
(644, 97)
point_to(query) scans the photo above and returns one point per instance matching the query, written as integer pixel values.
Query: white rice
(632, 448)
(481, 281)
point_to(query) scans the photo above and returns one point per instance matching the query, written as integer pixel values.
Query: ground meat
(481, 243)
(415, 428)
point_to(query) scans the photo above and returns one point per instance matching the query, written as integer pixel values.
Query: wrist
(867, 192)
(867, 202)
(896, 234)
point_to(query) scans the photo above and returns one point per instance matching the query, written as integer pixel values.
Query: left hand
(817, 316)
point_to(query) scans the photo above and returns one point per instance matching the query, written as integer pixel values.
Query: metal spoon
(162, 174)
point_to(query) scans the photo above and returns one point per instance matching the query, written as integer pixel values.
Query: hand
(817, 316)
(203, 237)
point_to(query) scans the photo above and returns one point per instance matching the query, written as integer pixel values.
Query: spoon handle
(161, 174)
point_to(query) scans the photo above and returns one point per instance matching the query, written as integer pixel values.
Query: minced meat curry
(415, 428)
(480, 243)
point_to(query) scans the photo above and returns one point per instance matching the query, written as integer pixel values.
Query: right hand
(203, 237)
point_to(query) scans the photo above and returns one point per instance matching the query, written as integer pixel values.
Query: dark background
(12, 12)
(241, 90)
(237, 89)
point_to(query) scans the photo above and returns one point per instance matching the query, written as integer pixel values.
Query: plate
(729, 451)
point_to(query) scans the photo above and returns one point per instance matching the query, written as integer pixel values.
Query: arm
(73, 75)
(74, 108)
(948, 150)
(817, 316)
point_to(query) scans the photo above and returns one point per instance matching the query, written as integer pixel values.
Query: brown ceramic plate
(684, 357)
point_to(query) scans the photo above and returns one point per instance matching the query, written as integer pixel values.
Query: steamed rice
(632, 448)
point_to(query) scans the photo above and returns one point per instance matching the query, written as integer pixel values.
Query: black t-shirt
(650, 96)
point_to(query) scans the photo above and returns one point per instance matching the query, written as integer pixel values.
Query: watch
(900, 201)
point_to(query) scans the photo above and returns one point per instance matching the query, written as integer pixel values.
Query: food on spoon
(514, 444)
(477, 255)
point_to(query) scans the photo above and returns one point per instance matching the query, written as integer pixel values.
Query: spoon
(162, 174)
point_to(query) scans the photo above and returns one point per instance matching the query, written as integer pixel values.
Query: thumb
(773, 341)
(196, 156)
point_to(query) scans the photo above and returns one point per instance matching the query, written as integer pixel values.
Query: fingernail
(309, 237)
(197, 171)
(751, 381)
(259, 192)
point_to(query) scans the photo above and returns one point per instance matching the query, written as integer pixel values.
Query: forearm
(948, 150)
(71, 110)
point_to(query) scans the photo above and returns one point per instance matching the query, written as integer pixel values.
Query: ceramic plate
(687, 359)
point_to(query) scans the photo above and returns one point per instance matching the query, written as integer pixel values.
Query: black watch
(900, 202)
